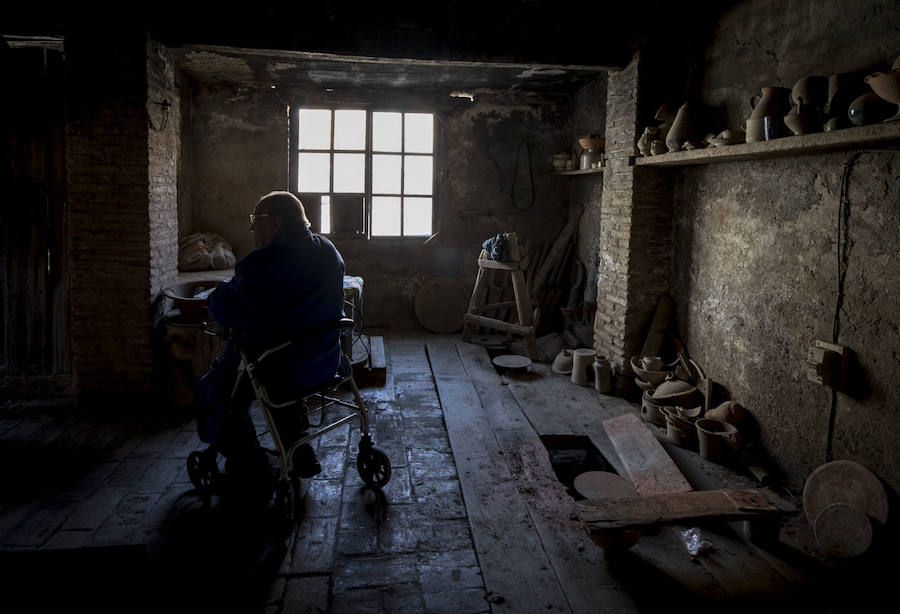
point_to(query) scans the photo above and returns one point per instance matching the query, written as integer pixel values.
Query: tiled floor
(99, 507)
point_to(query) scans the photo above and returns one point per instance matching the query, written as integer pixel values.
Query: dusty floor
(96, 510)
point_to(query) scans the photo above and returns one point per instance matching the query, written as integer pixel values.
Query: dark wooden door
(35, 338)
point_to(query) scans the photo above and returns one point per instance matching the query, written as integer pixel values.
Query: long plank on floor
(577, 563)
(515, 568)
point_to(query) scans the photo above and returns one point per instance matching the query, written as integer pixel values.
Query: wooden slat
(511, 556)
(638, 512)
(647, 464)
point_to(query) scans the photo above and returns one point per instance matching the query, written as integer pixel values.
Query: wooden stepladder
(516, 266)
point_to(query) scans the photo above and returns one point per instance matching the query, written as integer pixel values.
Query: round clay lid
(512, 361)
(603, 485)
(842, 530)
(844, 481)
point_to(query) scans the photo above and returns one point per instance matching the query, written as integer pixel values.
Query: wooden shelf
(588, 171)
(849, 138)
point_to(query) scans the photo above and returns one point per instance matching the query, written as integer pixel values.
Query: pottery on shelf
(756, 130)
(869, 109)
(728, 137)
(772, 101)
(666, 113)
(681, 129)
(800, 121)
(842, 90)
(646, 140)
(887, 86)
(811, 92)
(658, 147)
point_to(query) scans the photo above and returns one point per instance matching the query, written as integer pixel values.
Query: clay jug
(681, 129)
(773, 101)
(646, 139)
(811, 92)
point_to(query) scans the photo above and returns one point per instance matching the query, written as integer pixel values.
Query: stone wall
(755, 262)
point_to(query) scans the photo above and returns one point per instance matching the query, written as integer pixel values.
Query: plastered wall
(756, 245)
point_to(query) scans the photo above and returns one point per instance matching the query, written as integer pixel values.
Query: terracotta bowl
(887, 86)
(654, 378)
(592, 142)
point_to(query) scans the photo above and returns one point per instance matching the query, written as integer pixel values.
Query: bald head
(284, 205)
(273, 212)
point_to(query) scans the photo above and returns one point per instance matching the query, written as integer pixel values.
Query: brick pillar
(635, 232)
(117, 199)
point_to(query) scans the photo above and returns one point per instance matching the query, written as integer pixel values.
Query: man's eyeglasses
(253, 218)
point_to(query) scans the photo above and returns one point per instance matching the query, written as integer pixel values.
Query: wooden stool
(516, 267)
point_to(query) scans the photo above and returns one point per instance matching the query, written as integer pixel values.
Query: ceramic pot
(651, 410)
(582, 359)
(772, 101)
(797, 123)
(717, 439)
(887, 86)
(773, 127)
(842, 90)
(681, 129)
(756, 130)
(602, 374)
(562, 364)
(811, 92)
(646, 140)
(729, 411)
(869, 109)
(658, 147)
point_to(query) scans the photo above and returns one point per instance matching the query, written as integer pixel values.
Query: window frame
(368, 152)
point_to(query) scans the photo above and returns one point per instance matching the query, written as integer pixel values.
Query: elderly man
(292, 282)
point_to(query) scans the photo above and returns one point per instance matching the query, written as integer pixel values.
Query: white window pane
(315, 129)
(386, 174)
(314, 173)
(325, 215)
(386, 216)
(386, 131)
(416, 216)
(349, 129)
(349, 172)
(417, 175)
(419, 135)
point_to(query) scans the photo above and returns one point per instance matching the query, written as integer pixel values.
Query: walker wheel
(202, 470)
(374, 466)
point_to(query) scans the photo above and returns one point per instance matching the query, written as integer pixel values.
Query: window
(365, 172)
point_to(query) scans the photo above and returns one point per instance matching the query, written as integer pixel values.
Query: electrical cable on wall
(843, 258)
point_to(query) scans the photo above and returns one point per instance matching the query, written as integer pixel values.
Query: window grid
(369, 152)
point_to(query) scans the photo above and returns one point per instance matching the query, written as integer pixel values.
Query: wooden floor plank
(512, 559)
(575, 561)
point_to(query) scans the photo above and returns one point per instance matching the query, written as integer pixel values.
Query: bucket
(717, 439)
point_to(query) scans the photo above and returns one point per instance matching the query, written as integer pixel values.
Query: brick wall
(163, 114)
(635, 232)
(120, 192)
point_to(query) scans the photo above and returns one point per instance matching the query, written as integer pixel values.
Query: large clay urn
(681, 129)
(772, 101)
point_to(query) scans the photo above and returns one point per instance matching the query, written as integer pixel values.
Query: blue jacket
(293, 284)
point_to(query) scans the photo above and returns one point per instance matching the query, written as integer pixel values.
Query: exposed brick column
(119, 202)
(635, 232)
